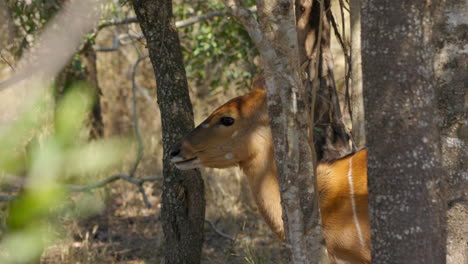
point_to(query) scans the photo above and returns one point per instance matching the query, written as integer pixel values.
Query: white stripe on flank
(353, 202)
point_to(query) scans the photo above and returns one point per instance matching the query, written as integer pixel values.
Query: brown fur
(248, 144)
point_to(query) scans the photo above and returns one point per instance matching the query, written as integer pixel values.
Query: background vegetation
(48, 150)
(112, 224)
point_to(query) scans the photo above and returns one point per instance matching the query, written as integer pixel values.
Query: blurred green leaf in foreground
(46, 152)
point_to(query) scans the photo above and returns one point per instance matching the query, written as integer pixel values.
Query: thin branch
(219, 232)
(190, 21)
(99, 184)
(131, 176)
(133, 40)
(347, 64)
(85, 188)
(7, 62)
(144, 92)
(76, 188)
(179, 24)
(116, 22)
(245, 16)
(7, 198)
(315, 79)
(118, 41)
(135, 114)
(137, 131)
(338, 35)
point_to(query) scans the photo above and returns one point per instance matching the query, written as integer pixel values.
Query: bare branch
(32, 69)
(127, 177)
(338, 35)
(219, 232)
(190, 21)
(7, 62)
(135, 115)
(315, 79)
(121, 176)
(84, 188)
(116, 22)
(179, 24)
(119, 40)
(244, 15)
(7, 198)
(347, 56)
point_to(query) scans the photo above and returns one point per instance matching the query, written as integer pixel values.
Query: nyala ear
(259, 82)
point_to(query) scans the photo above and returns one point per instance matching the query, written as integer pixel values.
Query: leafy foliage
(30, 17)
(217, 52)
(44, 163)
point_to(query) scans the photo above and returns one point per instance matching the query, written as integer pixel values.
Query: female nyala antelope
(238, 134)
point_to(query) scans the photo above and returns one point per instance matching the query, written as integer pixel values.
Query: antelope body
(238, 134)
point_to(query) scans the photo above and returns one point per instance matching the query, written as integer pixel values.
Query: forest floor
(125, 231)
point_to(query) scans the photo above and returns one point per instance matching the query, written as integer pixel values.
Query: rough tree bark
(451, 70)
(275, 36)
(332, 141)
(183, 203)
(406, 196)
(357, 101)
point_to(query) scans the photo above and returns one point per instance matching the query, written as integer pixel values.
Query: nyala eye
(226, 121)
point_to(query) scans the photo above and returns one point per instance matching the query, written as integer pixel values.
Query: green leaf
(71, 113)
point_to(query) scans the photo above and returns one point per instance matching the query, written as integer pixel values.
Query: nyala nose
(175, 151)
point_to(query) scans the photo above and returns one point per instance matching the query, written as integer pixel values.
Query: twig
(118, 41)
(137, 131)
(347, 63)
(84, 188)
(315, 79)
(133, 40)
(135, 115)
(144, 92)
(346, 8)
(244, 15)
(7, 62)
(7, 198)
(219, 232)
(116, 22)
(179, 24)
(190, 21)
(338, 35)
(120, 176)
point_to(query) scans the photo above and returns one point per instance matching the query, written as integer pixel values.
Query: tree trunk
(357, 102)
(183, 203)
(275, 36)
(451, 70)
(406, 197)
(83, 68)
(332, 141)
(7, 29)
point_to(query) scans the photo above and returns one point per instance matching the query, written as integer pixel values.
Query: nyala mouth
(186, 164)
